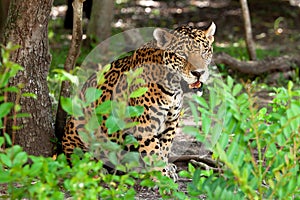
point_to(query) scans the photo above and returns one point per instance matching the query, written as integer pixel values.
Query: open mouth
(198, 86)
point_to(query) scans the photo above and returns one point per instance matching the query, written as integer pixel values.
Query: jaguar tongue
(195, 85)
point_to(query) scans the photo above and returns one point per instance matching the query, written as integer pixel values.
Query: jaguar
(172, 57)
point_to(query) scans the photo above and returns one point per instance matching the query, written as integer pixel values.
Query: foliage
(47, 178)
(259, 146)
(9, 70)
(27, 176)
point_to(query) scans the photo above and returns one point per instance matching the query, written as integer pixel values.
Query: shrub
(259, 146)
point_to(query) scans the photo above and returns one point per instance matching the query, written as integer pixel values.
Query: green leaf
(15, 68)
(148, 183)
(213, 99)
(191, 130)
(1, 141)
(134, 111)
(100, 74)
(7, 138)
(20, 159)
(5, 108)
(28, 94)
(131, 124)
(36, 168)
(191, 168)
(5, 159)
(201, 101)
(104, 108)
(194, 112)
(110, 146)
(5, 176)
(185, 174)
(113, 158)
(223, 141)
(230, 82)
(139, 81)
(236, 89)
(66, 104)
(138, 92)
(72, 106)
(233, 149)
(11, 89)
(67, 76)
(17, 107)
(91, 95)
(206, 123)
(132, 159)
(92, 124)
(114, 124)
(4, 80)
(130, 139)
(21, 115)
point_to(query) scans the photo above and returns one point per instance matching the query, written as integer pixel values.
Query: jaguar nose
(197, 73)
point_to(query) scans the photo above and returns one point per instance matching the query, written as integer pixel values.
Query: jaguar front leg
(166, 140)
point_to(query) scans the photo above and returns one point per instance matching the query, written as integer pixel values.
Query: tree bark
(27, 26)
(248, 30)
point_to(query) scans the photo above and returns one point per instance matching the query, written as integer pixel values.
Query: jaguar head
(188, 50)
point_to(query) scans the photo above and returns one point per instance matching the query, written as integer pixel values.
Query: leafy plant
(8, 70)
(259, 146)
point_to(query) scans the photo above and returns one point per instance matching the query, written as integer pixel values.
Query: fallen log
(257, 67)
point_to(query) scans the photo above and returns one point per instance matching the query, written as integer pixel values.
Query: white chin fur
(199, 93)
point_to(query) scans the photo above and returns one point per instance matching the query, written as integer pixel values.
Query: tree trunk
(101, 19)
(4, 4)
(248, 30)
(27, 26)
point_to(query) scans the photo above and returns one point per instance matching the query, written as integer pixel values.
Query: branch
(73, 54)
(282, 63)
(187, 158)
(204, 161)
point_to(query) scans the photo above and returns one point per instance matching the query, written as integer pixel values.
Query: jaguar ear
(162, 37)
(210, 32)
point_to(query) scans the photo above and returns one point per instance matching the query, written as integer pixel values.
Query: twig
(206, 167)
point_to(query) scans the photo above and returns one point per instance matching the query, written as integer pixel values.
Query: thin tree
(27, 26)
(73, 53)
(248, 30)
